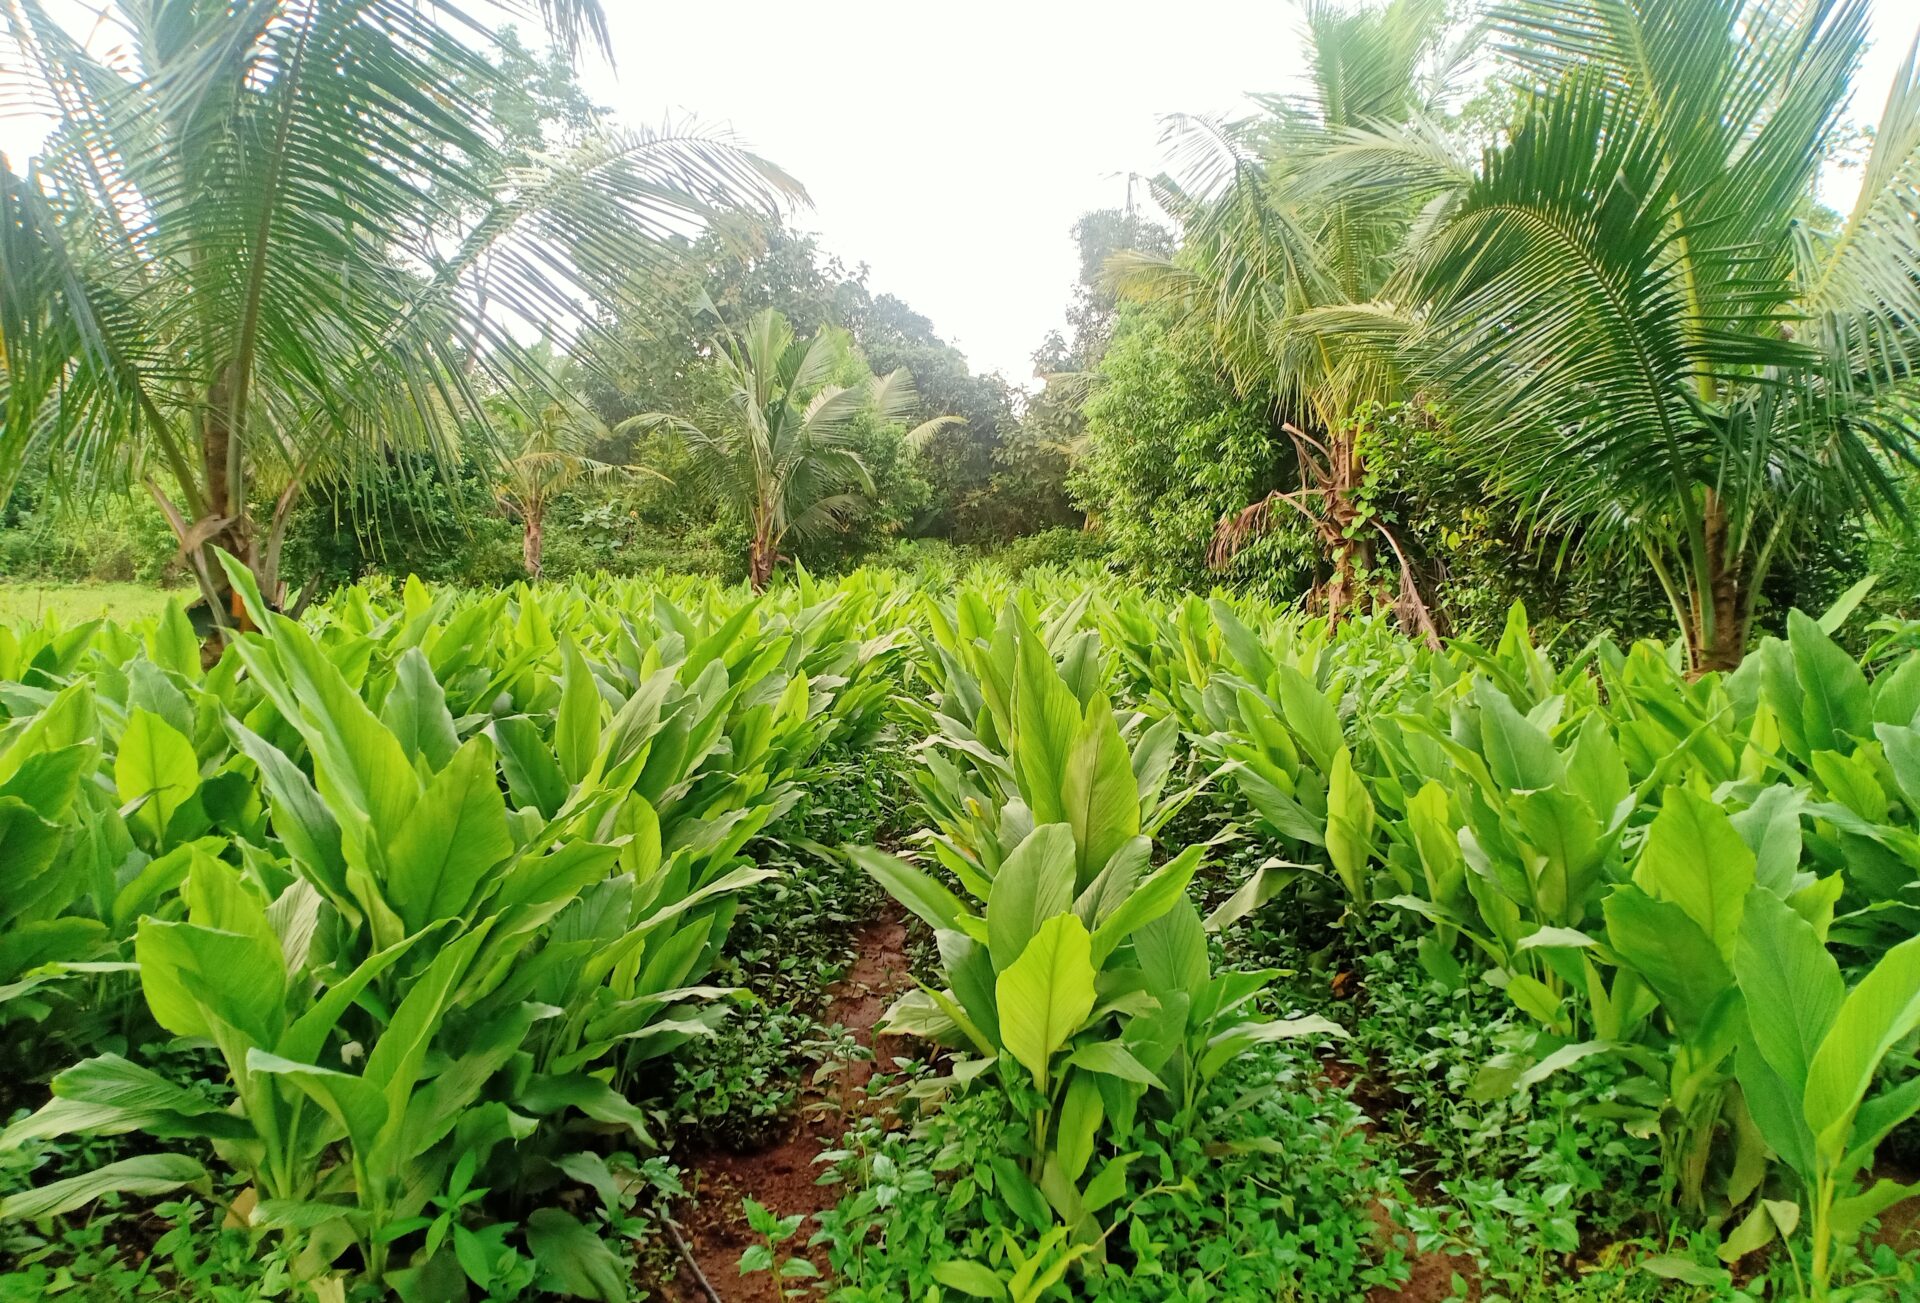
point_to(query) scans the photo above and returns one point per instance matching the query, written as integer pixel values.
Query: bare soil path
(784, 1176)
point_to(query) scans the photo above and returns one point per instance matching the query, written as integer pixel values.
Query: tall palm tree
(1291, 277)
(1648, 332)
(781, 448)
(269, 239)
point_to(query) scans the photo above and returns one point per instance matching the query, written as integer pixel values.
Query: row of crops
(433, 884)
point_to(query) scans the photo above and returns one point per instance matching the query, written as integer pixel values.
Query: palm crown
(1647, 331)
(1291, 278)
(269, 240)
(781, 447)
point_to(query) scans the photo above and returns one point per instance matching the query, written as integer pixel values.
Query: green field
(70, 603)
(1305, 961)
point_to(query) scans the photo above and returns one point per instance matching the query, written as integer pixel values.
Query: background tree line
(1416, 337)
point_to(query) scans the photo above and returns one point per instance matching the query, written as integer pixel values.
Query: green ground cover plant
(1265, 957)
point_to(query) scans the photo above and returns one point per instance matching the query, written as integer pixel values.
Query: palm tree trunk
(760, 560)
(1352, 556)
(226, 525)
(1717, 639)
(533, 539)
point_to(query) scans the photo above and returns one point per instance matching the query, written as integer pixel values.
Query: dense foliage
(388, 928)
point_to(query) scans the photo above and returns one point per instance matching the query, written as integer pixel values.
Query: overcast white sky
(951, 147)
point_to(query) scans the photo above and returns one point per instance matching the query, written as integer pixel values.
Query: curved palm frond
(281, 238)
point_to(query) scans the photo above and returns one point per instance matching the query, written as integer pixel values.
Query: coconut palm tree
(1648, 332)
(273, 239)
(780, 449)
(1291, 277)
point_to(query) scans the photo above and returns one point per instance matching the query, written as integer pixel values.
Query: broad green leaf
(1047, 719)
(155, 765)
(1114, 1060)
(1694, 858)
(1034, 884)
(1687, 1271)
(29, 845)
(1100, 795)
(1115, 881)
(1771, 829)
(573, 1260)
(1310, 714)
(239, 979)
(356, 1104)
(145, 1175)
(1845, 604)
(1876, 1015)
(1849, 1216)
(108, 1095)
(1079, 1122)
(1162, 889)
(1429, 820)
(1561, 828)
(1172, 951)
(1667, 948)
(305, 1039)
(939, 907)
(358, 765)
(300, 818)
(1520, 755)
(1046, 994)
(159, 877)
(1350, 822)
(452, 840)
(1267, 882)
(415, 711)
(1836, 703)
(576, 729)
(973, 1279)
(1109, 1185)
(1792, 986)
(971, 971)
(1902, 746)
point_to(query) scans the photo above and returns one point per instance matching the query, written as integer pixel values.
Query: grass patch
(72, 603)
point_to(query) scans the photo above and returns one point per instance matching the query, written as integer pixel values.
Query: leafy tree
(743, 267)
(1036, 461)
(1170, 447)
(1646, 328)
(1101, 235)
(1292, 276)
(782, 449)
(960, 457)
(279, 239)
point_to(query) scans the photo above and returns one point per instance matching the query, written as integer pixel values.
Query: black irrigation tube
(686, 1256)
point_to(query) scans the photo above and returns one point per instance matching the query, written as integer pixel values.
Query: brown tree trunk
(532, 539)
(760, 561)
(1352, 556)
(1719, 635)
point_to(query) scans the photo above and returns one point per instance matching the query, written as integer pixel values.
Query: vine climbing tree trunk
(533, 520)
(1332, 474)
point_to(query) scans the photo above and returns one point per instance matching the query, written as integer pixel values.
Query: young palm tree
(1648, 332)
(269, 239)
(1291, 277)
(546, 438)
(781, 450)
